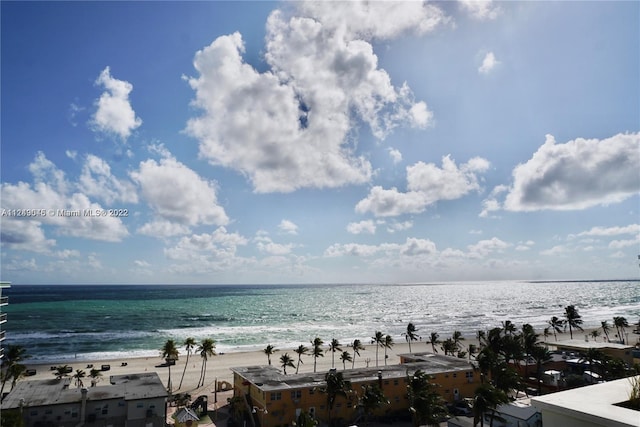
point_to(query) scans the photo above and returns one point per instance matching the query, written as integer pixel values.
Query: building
(4, 300)
(515, 414)
(571, 348)
(590, 406)
(276, 399)
(128, 400)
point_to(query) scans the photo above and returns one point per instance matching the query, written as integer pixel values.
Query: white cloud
(577, 175)
(555, 251)
(426, 184)
(396, 155)
(486, 247)
(265, 244)
(361, 227)
(488, 63)
(399, 226)
(619, 244)
(114, 113)
(288, 227)
(480, 9)
(410, 248)
(611, 231)
(97, 181)
(178, 194)
(297, 118)
(163, 228)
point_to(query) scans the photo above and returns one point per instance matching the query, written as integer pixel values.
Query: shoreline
(219, 366)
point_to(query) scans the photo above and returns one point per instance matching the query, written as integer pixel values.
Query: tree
(11, 362)
(78, 376)
(595, 334)
(388, 344)
(620, 323)
(378, 339)
(335, 387)
(486, 399)
(604, 325)
(305, 420)
(572, 319)
(425, 403)
(316, 351)
(189, 345)
(449, 347)
(334, 346)
(269, 350)
(206, 349)
(410, 334)
(556, 325)
(356, 346)
(302, 349)
(169, 353)
(345, 357)
(541, 355)
(433, 340)
(371, 399)
(286, 361)
(62, 371)
(95, 375)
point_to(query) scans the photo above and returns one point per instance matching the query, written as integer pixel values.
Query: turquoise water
(60, 323)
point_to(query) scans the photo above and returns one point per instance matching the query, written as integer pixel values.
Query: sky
(319, 142)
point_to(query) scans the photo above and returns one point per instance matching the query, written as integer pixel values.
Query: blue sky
(260, 142)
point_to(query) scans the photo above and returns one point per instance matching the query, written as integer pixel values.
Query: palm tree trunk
(183, 371)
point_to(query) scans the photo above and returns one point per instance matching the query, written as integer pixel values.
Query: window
(297, 394)
(139, 405)
(276, 396)
(455, 375)
(396, 382)
(312, 391)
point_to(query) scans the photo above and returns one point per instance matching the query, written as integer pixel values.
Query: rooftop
(585, 345)
(58, 392)
(594, 404)
(271, 378)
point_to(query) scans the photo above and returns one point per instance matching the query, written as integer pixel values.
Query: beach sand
(219, 366)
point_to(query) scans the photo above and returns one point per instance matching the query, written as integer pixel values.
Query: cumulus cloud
(296, 120)
(163, 228)
(114, 114)
(396, 155)
(480, 9)
(426, 185)
(488, 63)
(486, 247)
(97, 181)
(411, 247)
(576, 175)
(362, 227)
(288, 227)
(178, 194)
(399, 226)
(611, 231)
(265, 244)
(52, 192)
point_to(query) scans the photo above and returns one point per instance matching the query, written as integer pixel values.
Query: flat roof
(269, 378)
(57, 392)
(593, 403)
(585, 345)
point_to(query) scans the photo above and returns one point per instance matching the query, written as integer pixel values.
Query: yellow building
(276, 400)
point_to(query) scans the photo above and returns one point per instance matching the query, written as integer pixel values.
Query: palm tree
(286, 361)
(335, 386)
(95, 375)
(487, 398)
(302, 349)
(508, 327)
(546, 333)
(388, 343)
(449, 347)
(16, 372)
(316, 351)
(572, 319)
(345, 357)
(433, 339)
(595, 334)
(334, 346)
(541, 355)
(556, 325)
(620, 323)
(425, 403)
(604, 325)
(13, 356)
(356, 345)
(378, 339)
(410, 335)
(206, 349)
(189, 345)
(62, 371)
(169, 353)
(371, 399)
(269, 350)
(78, 376)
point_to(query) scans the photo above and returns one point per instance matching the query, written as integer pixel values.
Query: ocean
(62, 323)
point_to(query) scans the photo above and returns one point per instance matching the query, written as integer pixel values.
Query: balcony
(3, 317)
(4, 301)
(2, 335)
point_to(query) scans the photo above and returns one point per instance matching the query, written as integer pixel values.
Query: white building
(3, 316)
(589, 406)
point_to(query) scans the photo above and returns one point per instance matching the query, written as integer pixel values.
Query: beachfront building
(135, 400)
(591, 406)
(571, 348)
(275, 399)
(4, 300)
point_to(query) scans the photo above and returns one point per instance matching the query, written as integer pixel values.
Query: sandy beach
(219, 366)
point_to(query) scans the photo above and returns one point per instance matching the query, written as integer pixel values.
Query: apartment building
(4, 300)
